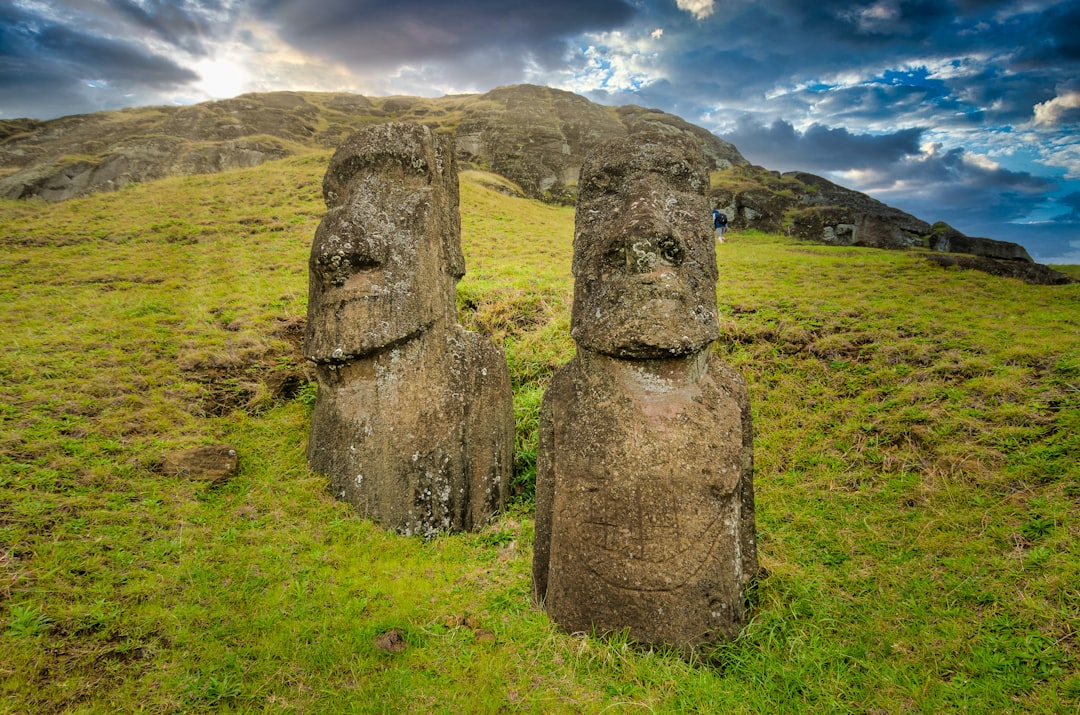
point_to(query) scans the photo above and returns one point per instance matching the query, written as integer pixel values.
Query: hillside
(534, 136)
(918, 492)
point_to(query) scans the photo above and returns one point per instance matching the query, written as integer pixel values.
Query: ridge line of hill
(534, 136)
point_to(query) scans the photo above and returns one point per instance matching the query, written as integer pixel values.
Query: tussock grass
(917, 432)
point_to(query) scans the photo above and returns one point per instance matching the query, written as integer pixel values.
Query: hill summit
(537, 137)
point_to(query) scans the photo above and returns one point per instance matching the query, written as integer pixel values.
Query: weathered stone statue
(413, 421)
(644, 492)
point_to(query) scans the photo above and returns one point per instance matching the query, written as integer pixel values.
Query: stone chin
(625, 323)
(635, 337)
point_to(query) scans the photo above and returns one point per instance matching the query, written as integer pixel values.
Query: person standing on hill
(719, 223)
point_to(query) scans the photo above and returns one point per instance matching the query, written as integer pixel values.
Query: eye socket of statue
(342, 268)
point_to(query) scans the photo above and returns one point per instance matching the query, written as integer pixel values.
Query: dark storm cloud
(945, 185)
(388, 34)
(33, 41)
(176, 23)
(948, 59)
(44, 64)
(1071, 202)
(819, 148)
(933, 183)
(1052, 37)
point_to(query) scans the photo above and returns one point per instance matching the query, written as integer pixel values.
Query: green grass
(917, 432)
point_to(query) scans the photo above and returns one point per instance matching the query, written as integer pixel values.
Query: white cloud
(878, 16)
(700, 9)
(255, 59)
(1064, 154)
(980, 161)
(1053, 111)
(615, 62)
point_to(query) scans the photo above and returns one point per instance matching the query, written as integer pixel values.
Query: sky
(965, 111)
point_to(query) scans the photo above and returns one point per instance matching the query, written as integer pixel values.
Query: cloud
(178, 23)
(1071, 202)
(700, 9)
(44, 63)
(1050, 35)
(1062, 109)
(895, 17)
(820, 148)
(971, 192)
(615, 62)
(423, 32)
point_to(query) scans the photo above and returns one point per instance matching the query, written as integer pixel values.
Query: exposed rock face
(815, 209)
(645, 510)
(1033, 273)
(948, 239)
(413, 422)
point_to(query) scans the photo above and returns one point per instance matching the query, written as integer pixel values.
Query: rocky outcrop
(944, 237)
(538, 136)
(815, 209)
(1033, 273)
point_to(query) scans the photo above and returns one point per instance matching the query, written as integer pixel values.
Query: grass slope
(917, 433)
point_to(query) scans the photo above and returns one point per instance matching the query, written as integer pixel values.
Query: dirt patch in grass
(76, 668)
(252, 380)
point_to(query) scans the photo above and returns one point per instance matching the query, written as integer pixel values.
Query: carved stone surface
(645, 510)
(413, 422)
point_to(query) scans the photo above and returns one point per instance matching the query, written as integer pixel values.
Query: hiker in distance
(719, 223)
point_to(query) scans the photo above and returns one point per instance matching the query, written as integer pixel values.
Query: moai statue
(644, 491)
(413, 422)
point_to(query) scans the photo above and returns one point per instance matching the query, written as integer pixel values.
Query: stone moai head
(644, 258)
(387, 256)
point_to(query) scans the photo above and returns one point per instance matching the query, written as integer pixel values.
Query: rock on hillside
(815, 209)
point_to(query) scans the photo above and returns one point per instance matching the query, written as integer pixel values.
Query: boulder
(214, 463)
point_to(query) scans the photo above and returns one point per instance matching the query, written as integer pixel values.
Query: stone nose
(646, 218)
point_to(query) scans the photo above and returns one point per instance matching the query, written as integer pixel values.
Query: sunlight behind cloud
(221, 78)
(1063, 154)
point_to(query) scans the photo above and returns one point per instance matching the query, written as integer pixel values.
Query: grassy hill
(917, 432)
